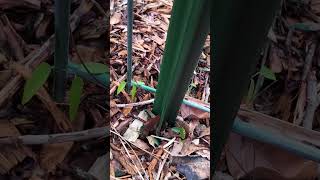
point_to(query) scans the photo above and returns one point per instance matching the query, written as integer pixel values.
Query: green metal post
(61, 14)
(188, 29)
(129, 42)
(239, 30)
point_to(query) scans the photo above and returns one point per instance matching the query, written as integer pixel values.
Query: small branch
(308, 61)
(57, 138)
(141, 103)
(313, 100)
(299, 113)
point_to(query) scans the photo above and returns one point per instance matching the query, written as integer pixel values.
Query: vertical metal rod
(129, 42)
(61, 26)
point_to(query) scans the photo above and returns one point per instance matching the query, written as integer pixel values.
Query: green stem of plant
(61, 14)
(129, 41)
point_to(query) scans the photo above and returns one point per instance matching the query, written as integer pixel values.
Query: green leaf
(133, 91)
(75, 95)
(179, 130)
(251, 91)
(95, 68)
(121, 87)
(267, 73)
(38, 78)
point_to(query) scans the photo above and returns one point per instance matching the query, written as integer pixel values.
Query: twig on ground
(299, 113)
(128, 154)
(116, 133)
(203, 98)
(57, 138)
(153, 163)
(141, 103)
(127, 142)
(162, 165)
(313, 100)
(308, 61)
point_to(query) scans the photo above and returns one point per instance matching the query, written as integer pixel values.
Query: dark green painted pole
(188, 29)
(61, 26)
(129, 42)
(239, 31)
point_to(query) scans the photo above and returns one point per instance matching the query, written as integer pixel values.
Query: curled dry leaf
(276, 60)
(204, 153)
(153, 163)
(53, 154)
(133, 132)
(141, 144)
(193, 167)
(124, 161)
(186, 148)
(299, 110)
(127, 110)
(246, 157)
(99, 167)
(10, 156)
(115, 18)
(205, 132)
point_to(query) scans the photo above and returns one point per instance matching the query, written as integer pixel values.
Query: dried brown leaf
(246, 157)
(115, 18)
(53, 154)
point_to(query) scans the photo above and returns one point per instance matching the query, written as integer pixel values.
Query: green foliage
(75, 95)
(38, 78)
(94, 68)
(250, 94)
(267, 73)
(41, 74)
(121, 87)
(179, 130)
(133, 91)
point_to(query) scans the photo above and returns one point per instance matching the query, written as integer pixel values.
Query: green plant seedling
(121, 87)
(38, 78)
(267, 73)
(75, 95)
(181, 131)
(133, 91)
